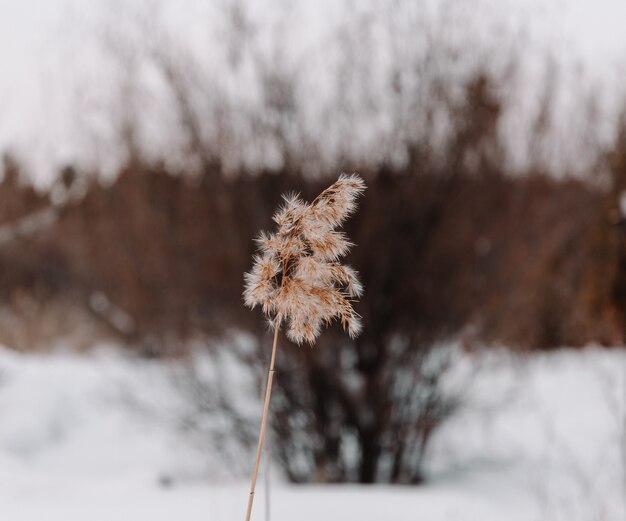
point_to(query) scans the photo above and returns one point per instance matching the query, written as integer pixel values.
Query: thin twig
(268, 459)
(266, 407)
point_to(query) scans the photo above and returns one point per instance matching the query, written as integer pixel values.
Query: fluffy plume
(297, 278)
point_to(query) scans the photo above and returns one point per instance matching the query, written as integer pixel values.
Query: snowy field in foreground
(539, 439)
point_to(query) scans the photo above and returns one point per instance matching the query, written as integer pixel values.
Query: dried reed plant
(297, 278)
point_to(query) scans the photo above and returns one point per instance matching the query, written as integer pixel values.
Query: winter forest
(422, 201)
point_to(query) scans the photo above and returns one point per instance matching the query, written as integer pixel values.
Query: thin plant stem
(268, 459)
(266, 408)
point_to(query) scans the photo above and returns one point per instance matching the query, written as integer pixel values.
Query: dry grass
(298, 280)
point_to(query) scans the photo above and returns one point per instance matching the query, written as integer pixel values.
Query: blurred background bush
(495, 173)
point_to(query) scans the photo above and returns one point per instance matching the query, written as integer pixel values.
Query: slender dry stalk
(297, 278)
(266, 407)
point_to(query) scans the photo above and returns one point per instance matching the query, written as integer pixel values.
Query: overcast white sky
(43, 50)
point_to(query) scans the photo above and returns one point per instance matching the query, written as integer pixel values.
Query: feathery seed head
(296, 277)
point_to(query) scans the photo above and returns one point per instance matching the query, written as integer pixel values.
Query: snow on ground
(539, 439)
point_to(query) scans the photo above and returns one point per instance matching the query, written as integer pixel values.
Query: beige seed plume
(297, 278)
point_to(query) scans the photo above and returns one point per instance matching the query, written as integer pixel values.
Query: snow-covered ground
(540, 438)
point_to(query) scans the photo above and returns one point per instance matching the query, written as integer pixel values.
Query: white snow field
(540, 438)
